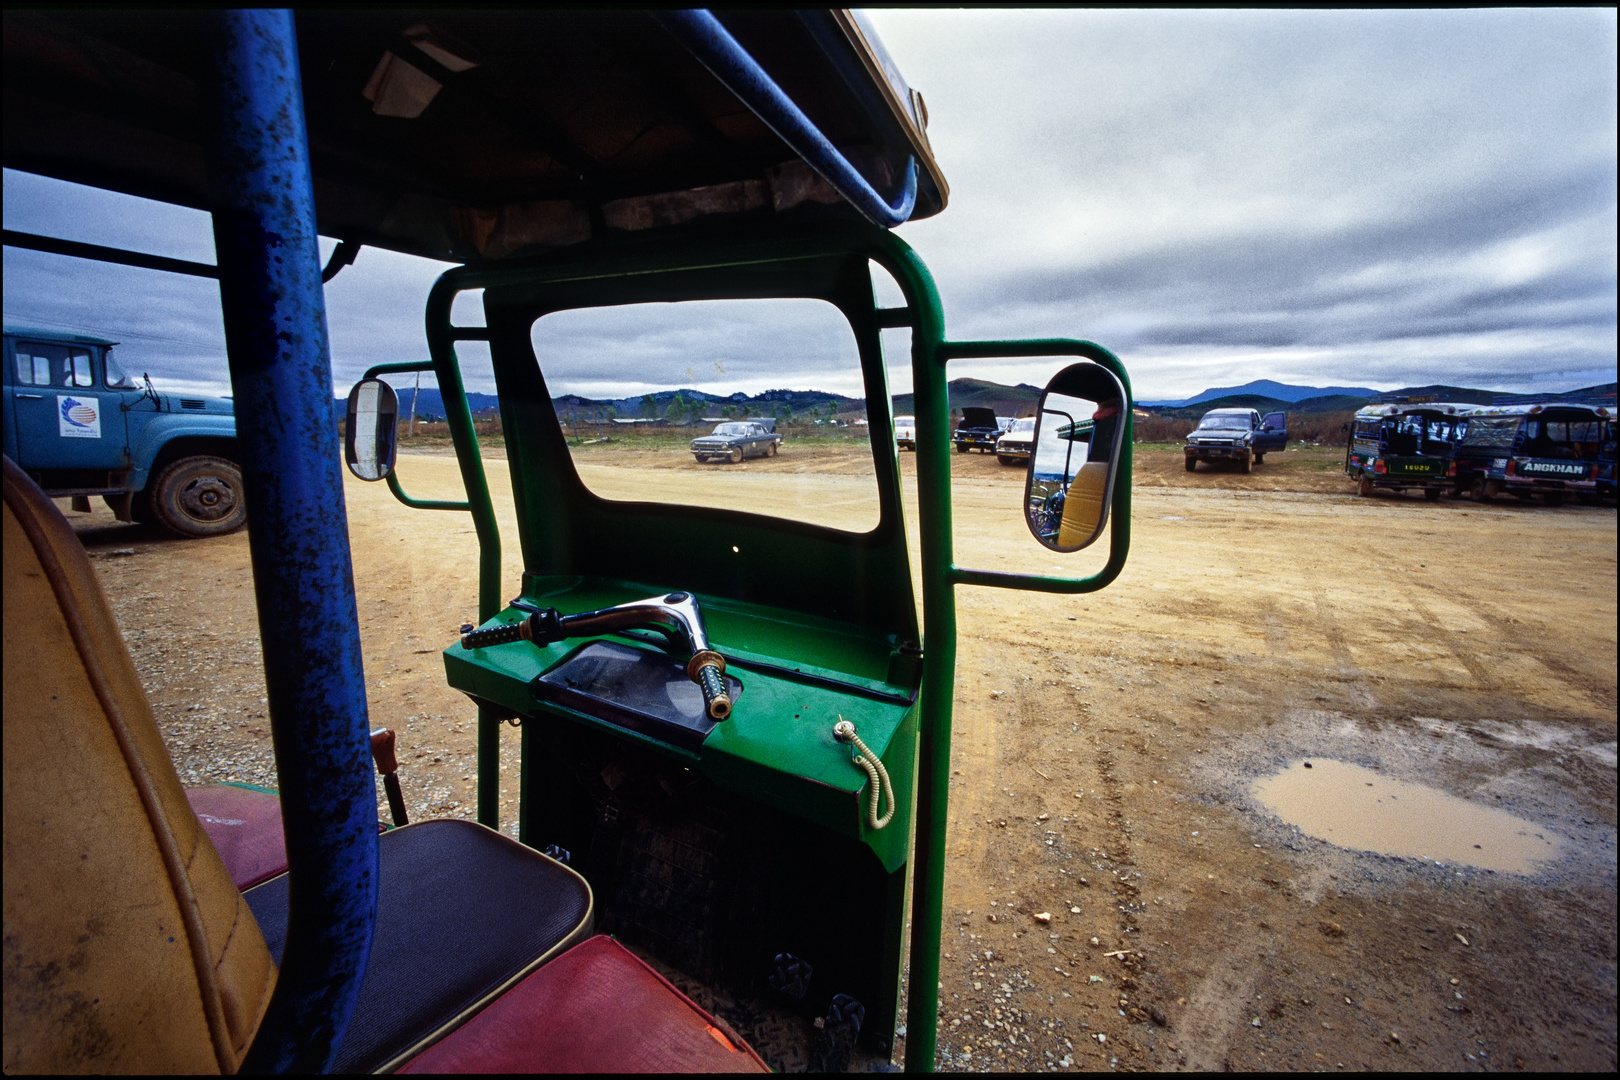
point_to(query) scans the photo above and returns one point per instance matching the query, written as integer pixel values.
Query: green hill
(1017, 400)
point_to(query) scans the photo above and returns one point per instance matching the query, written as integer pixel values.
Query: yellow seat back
(1083, 504)
(127, 947)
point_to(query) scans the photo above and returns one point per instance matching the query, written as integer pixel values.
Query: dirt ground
(1105, 746)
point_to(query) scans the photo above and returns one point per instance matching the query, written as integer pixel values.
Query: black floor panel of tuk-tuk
(713, 887)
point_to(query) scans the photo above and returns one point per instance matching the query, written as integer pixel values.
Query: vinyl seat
(135, 951)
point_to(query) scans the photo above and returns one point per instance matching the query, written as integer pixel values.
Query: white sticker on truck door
(78, 417)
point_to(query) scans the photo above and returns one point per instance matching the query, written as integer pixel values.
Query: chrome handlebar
(675, 615)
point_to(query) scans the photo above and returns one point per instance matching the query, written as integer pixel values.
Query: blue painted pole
(281, 374)
(715, 48)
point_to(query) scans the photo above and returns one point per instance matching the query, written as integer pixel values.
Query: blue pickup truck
(80, 427)
(1241, 436)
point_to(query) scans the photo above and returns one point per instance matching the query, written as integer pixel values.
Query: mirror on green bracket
(1079, 434)
(373, 423)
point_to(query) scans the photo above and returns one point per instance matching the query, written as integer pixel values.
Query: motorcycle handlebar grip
(495, 635)
(708, 670)
(542, 628)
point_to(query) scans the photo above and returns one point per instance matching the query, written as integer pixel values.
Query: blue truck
(1241, 436)
(80, 426)
(1398, 446)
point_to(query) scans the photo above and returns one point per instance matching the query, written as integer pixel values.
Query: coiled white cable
(844, 731)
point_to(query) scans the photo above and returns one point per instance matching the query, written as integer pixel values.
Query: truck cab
(80, 426)
(1395, 447)
(1241, 436)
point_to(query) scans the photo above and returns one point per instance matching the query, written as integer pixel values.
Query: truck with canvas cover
(1396, 447)
(734, 723)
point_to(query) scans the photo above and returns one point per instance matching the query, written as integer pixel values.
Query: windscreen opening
(750, 405)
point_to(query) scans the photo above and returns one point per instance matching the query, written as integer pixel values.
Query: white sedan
(905, 432)
(1015, 447)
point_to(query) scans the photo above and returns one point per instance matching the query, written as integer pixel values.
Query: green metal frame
(931, 352)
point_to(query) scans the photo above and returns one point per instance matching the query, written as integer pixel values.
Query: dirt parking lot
(1106, 749)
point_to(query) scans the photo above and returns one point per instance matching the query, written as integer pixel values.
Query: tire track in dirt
(973, 763)
(1526, 644)
(1272, 623)
(1483, 676)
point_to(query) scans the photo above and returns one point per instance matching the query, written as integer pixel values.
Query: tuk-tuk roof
(1545, 407)
(1438, 408)
(471, 135)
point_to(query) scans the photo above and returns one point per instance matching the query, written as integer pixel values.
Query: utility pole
(416, 394)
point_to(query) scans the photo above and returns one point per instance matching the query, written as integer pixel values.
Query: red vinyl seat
(245, 826)
(596, 1009)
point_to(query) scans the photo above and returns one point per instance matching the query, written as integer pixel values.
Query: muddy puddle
(1359, 808)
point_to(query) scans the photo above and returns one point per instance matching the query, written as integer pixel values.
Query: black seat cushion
(462, 913)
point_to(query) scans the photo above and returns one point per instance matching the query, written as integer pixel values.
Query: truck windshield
(1224, 420)
(117, 379)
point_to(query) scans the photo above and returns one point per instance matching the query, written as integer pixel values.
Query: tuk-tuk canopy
(1380, 412)
(473, 136)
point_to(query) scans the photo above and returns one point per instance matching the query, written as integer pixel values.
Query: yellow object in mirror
(1084, 506)
(1078, 434)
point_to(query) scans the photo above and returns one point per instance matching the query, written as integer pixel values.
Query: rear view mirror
(1079, 432)
(373, 422)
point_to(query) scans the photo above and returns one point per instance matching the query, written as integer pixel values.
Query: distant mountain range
(1265, 388)
(1005, 400)
(1345, 399)
(1020, 400)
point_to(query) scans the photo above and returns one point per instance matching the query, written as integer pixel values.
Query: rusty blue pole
(275, 334)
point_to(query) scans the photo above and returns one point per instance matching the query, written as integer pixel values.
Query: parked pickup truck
(80, 426)
(1238, 435)
(1395, 447)
(979, 430)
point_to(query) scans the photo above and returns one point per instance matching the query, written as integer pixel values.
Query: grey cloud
(1377, 197)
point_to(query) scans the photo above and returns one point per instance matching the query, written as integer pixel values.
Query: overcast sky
(1376, 198)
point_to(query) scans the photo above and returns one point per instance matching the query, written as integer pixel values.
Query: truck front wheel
(1192, 464)
(199, 496)
(1246, 462)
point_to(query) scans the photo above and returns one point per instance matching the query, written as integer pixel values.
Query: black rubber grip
(716, 702)
(396, 799)
(494, 635)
